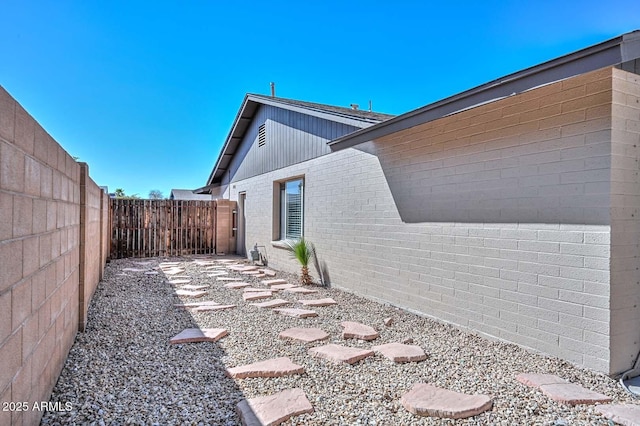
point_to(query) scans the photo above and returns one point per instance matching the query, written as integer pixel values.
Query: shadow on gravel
(122, 369)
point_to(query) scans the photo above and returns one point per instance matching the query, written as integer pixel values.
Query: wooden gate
(151, 228)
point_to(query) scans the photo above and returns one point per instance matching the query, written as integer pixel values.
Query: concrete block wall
(541, 279)
(625, 219)
(39, 259)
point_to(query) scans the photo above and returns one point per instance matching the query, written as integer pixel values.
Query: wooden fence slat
(152, 228)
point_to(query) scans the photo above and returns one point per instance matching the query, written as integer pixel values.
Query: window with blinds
(291, 209)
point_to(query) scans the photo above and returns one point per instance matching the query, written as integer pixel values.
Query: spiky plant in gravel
(302, 251)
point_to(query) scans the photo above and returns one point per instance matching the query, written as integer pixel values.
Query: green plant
(303, 252)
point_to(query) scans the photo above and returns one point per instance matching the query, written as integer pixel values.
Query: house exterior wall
(40, 254)
(625, 219)
(541, 280)
(291, 137)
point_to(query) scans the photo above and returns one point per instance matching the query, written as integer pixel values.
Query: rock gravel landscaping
(124, 369)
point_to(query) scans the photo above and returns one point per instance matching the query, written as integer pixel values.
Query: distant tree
(155, 194)
(121, 194)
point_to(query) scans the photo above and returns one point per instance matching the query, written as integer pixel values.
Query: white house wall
(543, 285)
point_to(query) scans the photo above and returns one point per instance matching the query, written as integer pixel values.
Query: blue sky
(146, 92)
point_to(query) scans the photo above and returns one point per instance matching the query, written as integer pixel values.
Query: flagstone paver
(427, 400)
(282, 286)
(243, 268)
(196, 304)
(318, 302)
(275, 367)
(227, 279)
(134, 269)
(190, 293)
(297, 313)
(207, 308)
(256, 295)
(194, 335)
(306, 335)
(151, 273)
(338, 353)
(275, 281)
(398, 352)
(257, 290)
(275, 303)
(268, 272)
(623, 414)
(181, 281)
(173, 271)
(236, 286)
(301, 290)
(388, 321)
(194, 287)
(356, 330)
(250, 272)
(560, 390)
(274, 409)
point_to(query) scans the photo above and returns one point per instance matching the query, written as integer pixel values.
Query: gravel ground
(122, 370)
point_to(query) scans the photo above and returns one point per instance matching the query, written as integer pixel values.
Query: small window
(262, 135)
(291, 209)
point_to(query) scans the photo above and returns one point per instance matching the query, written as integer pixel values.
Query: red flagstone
(196, 304)
(338, 353)
(190, 293)
(282, 286)
(254, 290)
(301, 290)
(237, 285)
(297, 313)
(388, 321)
(268, 272)
(398, 352)
(319, 302)
(194, 287)
(256, 295)
(536, 379)
(573, 394)
(276, 281)
(275, 303)
(226, 279)
(194, 335)
(307, 335)
(275, 367)
(274, 409)
(356, 330)
(427, 400)
(623, 414)
(179, 281)
(206, 308)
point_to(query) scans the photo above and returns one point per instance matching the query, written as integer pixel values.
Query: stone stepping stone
(306, 335)
(243, 268)
(256, 290)
(133, 269)
(227, 279)
(181, 281)
(282, 286)
(256, 295)
(190, 293)
(148, 263)
(297, 313)
(356, 330)
(560, 390)
(318, 302)
(180, 277)
(194, 287)
(398, 352)
(427, 400)
(196, 304)
(236, 286)
(275, 367)
(338, 353)
(173, 271)
(275, 303)
(268, 272)
(194, 335)
(272, 282)
(215, 267)
(624, 414)
(207, 308)
(274, 409)
(301, 290)
(151, 273)
(250, 272)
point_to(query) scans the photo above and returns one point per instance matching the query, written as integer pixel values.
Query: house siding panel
(517, 240)
(292, 137)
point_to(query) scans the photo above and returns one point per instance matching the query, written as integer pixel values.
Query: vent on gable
(262, 135)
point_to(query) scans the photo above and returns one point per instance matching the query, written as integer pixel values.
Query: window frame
(280, 209)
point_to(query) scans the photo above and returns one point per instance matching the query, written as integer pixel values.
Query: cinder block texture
(503, 218)
(40, 252)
